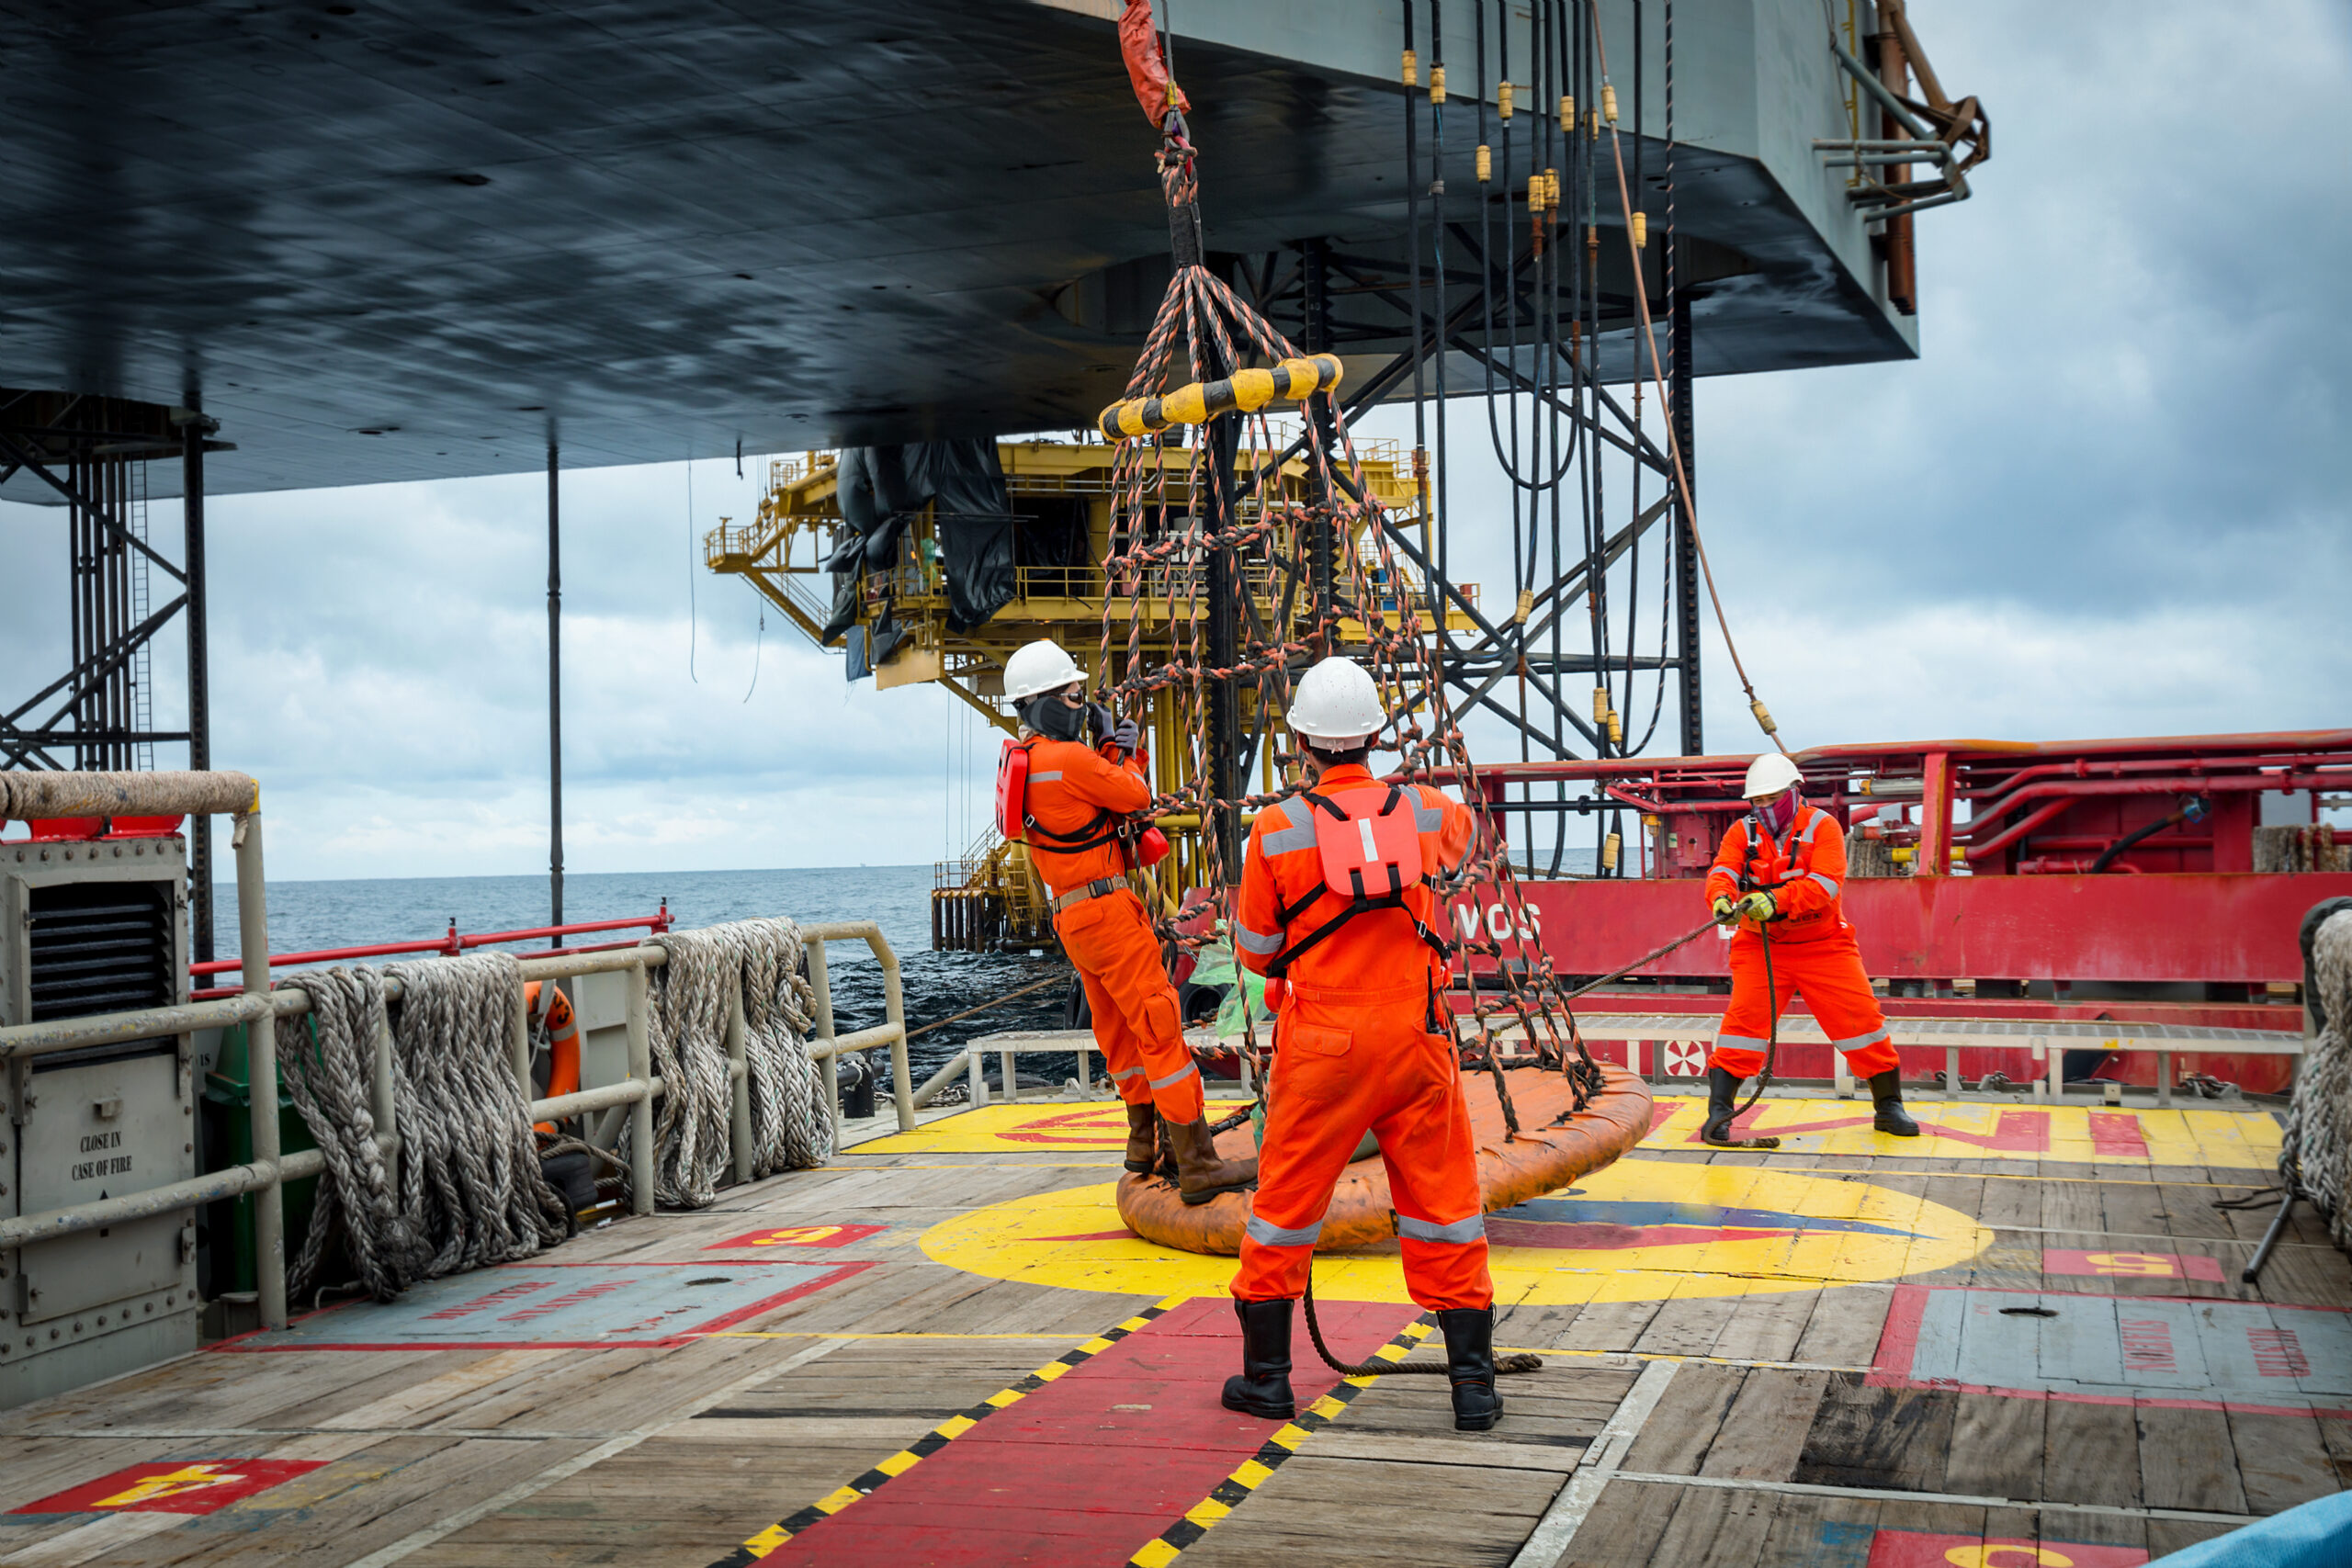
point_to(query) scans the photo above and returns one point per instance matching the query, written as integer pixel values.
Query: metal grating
(100, 947)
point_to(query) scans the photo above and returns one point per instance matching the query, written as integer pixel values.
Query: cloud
(2109, 499)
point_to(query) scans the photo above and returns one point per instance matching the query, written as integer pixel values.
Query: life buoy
(1542, 1158)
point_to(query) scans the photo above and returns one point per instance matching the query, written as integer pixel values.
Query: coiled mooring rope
(470, 1192)
(792, 1124)
(2316, 1145)
(328, 1076)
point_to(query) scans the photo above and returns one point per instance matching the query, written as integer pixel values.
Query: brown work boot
(1143, 1137)
(1200, 1172)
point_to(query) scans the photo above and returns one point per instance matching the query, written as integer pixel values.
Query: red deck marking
(173, 1486)
(2014, 1132)
(1088, 1469)
(1919, 1549)
(2131, 1265)
(798, 1235)
(2117, 1133)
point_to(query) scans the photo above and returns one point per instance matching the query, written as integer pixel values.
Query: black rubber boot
(1722, 1094)
(1470, 1362)
(1886, 1094)
(1263, 1386)
(1143, 1137)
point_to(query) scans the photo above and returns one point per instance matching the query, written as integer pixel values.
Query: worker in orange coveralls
(1781, 876)
(1078, 798)
(1335, 904)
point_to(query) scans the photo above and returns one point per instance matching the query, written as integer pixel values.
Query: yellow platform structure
(989, 897)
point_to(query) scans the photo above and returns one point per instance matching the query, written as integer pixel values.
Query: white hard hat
(1770, 774)
(1040, 666)
(1337, 702)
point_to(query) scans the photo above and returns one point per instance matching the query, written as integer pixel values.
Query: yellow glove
(1759, 907)
(1725, 910)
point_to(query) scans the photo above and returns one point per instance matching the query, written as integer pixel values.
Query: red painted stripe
(2118, 1132)
(1066, 1476)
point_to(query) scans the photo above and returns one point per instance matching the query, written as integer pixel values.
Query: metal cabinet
(95, 927)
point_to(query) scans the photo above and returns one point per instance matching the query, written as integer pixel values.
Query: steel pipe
(27, 795)
(233, 1182)
(261, 1068)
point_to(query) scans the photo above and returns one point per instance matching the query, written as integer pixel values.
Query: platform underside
(938, 1348)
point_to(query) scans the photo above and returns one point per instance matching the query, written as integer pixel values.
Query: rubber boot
(1470, 1364)
(1200, 1172)
(1886, 1094)
(1262, 1387)
(1143, 1138)
(1723, 1095)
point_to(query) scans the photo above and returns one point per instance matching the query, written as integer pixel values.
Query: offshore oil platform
(1070, 309)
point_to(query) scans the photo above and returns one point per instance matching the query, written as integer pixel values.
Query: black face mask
(1053, 718)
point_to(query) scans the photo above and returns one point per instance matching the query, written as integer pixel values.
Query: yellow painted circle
(1641, 1230)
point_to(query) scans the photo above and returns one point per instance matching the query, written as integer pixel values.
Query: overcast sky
(2110, 499)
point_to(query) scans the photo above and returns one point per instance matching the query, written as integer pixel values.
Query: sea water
(307, 916)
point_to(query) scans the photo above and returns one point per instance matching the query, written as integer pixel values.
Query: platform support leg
(1952, 1071)
(738, 1061)
(2164, 1078)
(641, 1112)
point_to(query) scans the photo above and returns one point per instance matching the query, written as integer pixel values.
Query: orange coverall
(1814, 952)
(1109, 939)
(1354, 1049)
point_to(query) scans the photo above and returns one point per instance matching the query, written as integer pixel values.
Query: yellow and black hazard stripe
(931, 1442)
(1255, 1471)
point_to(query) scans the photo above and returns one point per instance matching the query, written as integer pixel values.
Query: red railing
(450, 945)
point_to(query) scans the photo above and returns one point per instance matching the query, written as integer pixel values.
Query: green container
(228, 1090)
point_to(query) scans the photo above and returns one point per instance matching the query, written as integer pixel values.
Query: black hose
(1523, 1362)
(1771, 1034)
(2107, 856)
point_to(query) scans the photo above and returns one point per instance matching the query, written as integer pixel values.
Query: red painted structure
(1991, 845)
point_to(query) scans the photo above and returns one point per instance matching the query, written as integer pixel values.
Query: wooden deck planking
(692, 1485)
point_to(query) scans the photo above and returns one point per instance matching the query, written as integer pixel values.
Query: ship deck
(943, 1347)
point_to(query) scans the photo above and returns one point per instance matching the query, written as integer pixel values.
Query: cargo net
(1264, 529)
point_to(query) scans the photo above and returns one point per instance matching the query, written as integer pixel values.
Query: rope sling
(469, 1191)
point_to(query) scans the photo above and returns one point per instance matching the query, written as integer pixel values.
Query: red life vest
(1370, 845)
(1148, 848)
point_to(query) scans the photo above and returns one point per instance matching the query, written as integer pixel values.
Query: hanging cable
(1674, 446)
(693, 617)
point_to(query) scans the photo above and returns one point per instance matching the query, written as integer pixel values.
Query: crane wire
(1673, 438)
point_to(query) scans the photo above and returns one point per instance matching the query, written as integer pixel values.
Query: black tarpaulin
(881, 488)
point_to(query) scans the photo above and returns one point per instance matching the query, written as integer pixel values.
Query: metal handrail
(259, 1008)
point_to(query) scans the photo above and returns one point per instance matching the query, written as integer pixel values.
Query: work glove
(1124, 734)
(1726, 911)
(1759, 907)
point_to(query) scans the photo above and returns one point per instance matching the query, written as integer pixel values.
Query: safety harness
(1145, 845)
(1369, 857)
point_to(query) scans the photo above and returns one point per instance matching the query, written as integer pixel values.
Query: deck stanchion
(519, 1045)
(261, 1070)
(1952, 1071)
(815, 947)
(2057, 1074)
(641, 1112)
(2164, 1079)
(978, 1079)
(1006, 1076)
(381, 1103)
(739, 1066)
